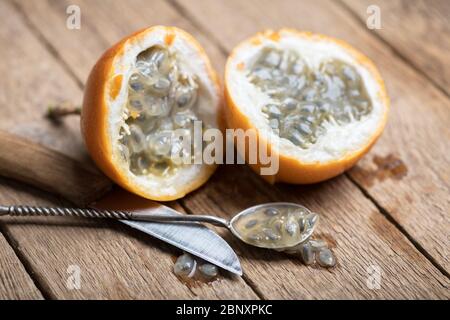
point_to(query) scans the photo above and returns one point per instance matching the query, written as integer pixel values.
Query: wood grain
(15, 283)
(418, 131)
(115, 261)
(364, 237)
(419, 31)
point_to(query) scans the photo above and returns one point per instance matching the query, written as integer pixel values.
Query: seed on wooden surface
(325, 258)
(185, 266)
(317, 244)
(209, 270)
(307, 253)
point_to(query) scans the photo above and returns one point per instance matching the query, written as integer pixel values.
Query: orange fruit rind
(332, 152)
(107, 116)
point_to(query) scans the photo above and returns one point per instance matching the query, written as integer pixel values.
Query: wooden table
(398, 224)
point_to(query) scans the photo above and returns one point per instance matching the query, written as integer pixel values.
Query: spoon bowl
(276, 225)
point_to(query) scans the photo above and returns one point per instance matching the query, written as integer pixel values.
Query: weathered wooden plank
(417, 134)
(114, 261)
(418, 30)
(103, 23)
(364, 240)
(375, 242)
(15, 282)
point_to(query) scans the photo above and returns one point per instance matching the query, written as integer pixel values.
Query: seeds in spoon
(251, 224)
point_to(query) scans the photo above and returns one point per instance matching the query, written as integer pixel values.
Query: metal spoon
(232, 225)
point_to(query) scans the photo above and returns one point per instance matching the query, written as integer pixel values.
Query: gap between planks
(365, 192)
(48, 46)
(25, 263)
(391, 47)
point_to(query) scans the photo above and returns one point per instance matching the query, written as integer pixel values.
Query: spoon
(275, 225)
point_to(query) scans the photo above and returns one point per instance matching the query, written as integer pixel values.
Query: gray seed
(136, 82)
(136, 139)
(311, 219)
(145, 68)
(255, 237)
(308, 109)
(305, 129)
(139, 163)
(274, 123)
(271, 212)
(271, 235)
(301, 224)
(307, 254)
(209, 270)
(161, 86)
(317, 244)
(325, 258)
(251, 224)
(291, 227)
(289, 104)
(185, 266)
(272, 59)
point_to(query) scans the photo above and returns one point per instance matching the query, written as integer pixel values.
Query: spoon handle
(110, 214)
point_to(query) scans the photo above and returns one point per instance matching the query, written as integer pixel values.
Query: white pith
(339, 140)
(190, 61)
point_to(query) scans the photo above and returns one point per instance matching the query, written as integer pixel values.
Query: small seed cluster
(303, 100)
(161, 99)
(314, 251)
(276, 227)
(187, 266)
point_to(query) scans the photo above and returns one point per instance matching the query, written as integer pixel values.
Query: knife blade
(47, 169)
(194, 238)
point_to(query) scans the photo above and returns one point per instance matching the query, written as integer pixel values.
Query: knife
(49, 170)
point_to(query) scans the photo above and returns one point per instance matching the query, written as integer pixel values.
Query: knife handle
(63, 212)
(46, 169)
(110, 214)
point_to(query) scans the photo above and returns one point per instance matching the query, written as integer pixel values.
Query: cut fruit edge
(334, 152)
(105, 98)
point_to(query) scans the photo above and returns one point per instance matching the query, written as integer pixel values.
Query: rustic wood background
(376, 216)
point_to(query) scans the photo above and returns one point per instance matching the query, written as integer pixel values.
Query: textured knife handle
(65, 212)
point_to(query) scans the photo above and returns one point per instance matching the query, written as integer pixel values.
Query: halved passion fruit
(150, 85)
(317, 103)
